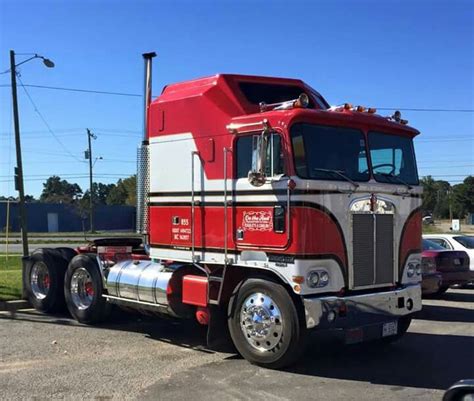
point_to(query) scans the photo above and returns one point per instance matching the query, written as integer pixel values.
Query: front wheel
(264, 324)
(83, 290)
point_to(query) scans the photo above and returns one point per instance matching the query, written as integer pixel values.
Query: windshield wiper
(396, 177)
(340, 174)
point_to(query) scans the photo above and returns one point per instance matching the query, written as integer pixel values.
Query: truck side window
(275, 156)
(244, 156)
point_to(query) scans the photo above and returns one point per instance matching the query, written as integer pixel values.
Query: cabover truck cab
(264, 211)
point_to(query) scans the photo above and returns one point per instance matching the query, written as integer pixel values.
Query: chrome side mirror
(257, 176)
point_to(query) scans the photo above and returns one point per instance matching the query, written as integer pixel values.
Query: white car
(457, 242)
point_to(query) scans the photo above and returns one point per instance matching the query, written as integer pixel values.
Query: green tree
(56, 190)
(436, 197)
(429, 194)
(101, 192)
(124, 193)
(441, 209)
(463, 198)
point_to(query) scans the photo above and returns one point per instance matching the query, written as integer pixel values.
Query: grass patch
(45, 241)
(10, 277)
(431, 229)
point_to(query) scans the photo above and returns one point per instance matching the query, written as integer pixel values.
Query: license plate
(389, 329)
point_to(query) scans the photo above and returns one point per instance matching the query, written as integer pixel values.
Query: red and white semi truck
(264, 211)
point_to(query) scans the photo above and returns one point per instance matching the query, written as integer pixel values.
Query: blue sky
(402, 54)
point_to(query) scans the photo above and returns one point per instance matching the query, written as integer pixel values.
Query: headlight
(418, 269)
(323, 278)
(411, 270)
(318, 278)
(313, 279)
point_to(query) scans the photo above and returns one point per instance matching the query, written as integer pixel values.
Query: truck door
(260, 213)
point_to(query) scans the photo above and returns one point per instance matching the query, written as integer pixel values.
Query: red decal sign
(257, 221)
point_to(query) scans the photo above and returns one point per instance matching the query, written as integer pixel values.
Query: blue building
(57, 217)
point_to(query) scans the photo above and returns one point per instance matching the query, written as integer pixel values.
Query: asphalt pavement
(134, 357)
(17, 248)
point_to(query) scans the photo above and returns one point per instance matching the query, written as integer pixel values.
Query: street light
(19, 186)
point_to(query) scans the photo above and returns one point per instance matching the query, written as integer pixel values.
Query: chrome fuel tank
(141, 281)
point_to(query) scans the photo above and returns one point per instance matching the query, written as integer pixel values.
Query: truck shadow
(418, 360)
(445, 314)
(421, 360)
(459, 296)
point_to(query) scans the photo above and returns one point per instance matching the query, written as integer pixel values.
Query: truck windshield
(393, 158)
(329, 153)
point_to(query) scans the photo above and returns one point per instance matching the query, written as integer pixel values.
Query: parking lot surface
(133, 357)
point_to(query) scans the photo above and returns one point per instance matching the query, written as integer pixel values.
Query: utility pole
(19, 168)
(450, 206)
(90, 136)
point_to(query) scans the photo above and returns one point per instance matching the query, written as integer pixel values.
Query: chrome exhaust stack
(143, 162)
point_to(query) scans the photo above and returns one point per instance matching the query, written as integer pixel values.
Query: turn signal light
(360, 109)
(371, 110)
(298, 279)
(347, 106)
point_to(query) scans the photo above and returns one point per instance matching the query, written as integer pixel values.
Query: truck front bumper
(334, 312)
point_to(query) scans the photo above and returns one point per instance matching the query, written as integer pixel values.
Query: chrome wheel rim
(261, 322)
(40, 280)
(82, 289)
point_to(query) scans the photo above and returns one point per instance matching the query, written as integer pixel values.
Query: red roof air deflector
(223, 96)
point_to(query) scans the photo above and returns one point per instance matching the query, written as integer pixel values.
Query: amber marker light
(371, 110)
(360, 109)
(298, 279)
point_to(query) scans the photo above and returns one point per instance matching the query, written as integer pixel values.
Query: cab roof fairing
(228, 84)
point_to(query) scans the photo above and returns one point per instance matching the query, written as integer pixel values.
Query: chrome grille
(372, 249)
(384, 248)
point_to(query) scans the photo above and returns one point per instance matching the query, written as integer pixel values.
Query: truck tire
(264, 324)
(83, 290)
(66, 253)
(44, 280)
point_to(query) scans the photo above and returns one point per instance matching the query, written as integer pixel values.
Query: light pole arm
(28, 59)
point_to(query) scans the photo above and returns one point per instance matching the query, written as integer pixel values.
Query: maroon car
(442, 268)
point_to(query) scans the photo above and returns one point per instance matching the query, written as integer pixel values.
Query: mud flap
(25, 264)
(218, 336)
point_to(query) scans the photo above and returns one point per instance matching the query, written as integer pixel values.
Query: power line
(446, 175)
(80, 90)
(85, 176)
(445, 161)
(447, 139)
(46, 123)
(453, 166)
(77, 131)
(417, 109)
